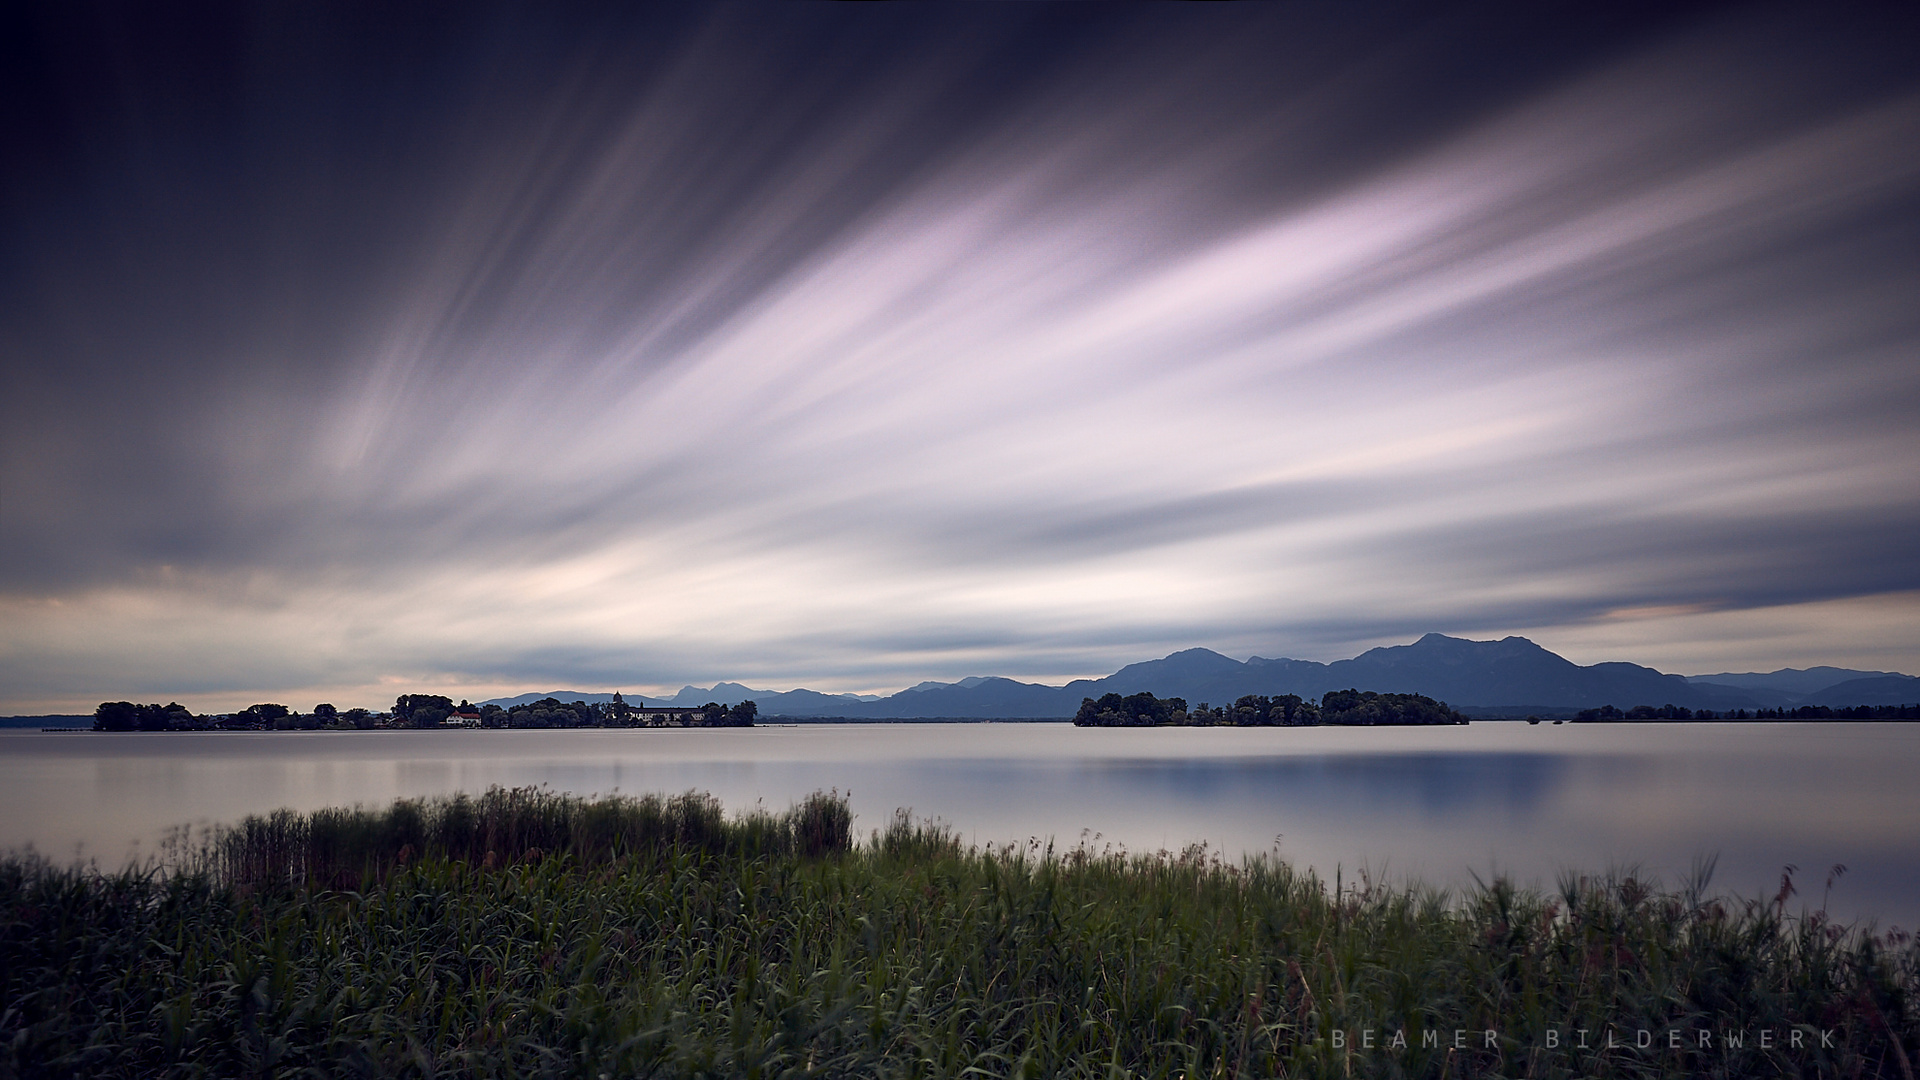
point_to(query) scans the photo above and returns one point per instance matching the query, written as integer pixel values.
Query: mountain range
(1509, 677)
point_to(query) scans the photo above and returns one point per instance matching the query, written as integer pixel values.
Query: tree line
(411, 711)
(430, 710)
(1353, 708)
(267, 716)
(1804, 712)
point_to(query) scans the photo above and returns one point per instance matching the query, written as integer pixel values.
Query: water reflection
(1440, 805)
(1432, 783)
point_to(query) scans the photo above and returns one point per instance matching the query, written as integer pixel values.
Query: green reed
(524, 933)
(341, 848)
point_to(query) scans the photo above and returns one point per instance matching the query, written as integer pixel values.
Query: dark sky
(496, 347)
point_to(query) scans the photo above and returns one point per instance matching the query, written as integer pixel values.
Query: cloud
(742, 362)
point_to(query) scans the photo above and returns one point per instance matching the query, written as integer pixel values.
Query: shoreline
(635, 936)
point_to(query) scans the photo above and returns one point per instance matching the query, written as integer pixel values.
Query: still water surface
(1438, 804)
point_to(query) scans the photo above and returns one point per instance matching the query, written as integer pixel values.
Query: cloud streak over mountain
(851, 348)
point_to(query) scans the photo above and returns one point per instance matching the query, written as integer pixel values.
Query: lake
(1439, 804)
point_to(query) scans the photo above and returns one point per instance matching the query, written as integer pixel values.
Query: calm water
(1439, 804)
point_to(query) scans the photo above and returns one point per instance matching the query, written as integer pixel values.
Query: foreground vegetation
(527, 933)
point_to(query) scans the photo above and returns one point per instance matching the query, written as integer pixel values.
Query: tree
(116, 716)
(1135, 710)
(172, 716)
(421, 710)
(127, 716)
(1664, 712)
(1102, 713)
(1253, 710)
(1290, 711)
(1366, 708)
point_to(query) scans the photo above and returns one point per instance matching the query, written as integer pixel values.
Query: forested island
(424, 711)
(1337, 708)
(1349, 708)
(1365, 708)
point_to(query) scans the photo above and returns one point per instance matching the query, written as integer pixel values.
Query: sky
(350, 350)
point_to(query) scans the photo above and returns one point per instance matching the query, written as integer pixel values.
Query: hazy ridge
(1509, 675)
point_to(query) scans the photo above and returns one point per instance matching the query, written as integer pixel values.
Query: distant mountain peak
(1197, 652)
(1192, 659)
(1435, 640)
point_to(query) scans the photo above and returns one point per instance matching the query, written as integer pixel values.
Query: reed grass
(340, 849)
(657, 937)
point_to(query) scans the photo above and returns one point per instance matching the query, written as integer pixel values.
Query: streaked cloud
(841, 366)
